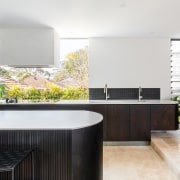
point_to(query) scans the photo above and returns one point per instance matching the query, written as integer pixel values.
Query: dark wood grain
(164, 117)
(140, 123)
(52, 153)
(55, 157)
(100, 108)
(117, 122)
(87, 153)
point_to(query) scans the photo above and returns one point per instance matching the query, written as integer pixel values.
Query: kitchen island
(67, 144)
(123, 120)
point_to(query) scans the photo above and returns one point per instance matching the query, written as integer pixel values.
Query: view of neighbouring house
(69, 81)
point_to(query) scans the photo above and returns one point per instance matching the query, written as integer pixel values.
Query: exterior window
(74, 62)
(175, 68)
(69, 81)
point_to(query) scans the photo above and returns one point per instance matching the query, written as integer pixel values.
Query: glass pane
(175, 84)
(175, 67)
(69, 81)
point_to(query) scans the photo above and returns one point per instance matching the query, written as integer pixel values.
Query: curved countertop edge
(87, 102)
(48, 120)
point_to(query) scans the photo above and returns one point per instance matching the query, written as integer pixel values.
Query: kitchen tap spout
(106, 92)
(140, 96)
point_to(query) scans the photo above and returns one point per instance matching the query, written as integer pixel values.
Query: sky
(71, 45)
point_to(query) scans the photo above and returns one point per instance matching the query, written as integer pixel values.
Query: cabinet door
(164, 117)
(117, 122)
(100, 108)
(139, 122)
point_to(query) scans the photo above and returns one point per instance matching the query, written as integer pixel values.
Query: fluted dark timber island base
(59, 154)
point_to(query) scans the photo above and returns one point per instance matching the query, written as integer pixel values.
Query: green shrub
(51, 93)
(14, 91)
(74, 93)
(2, 90)
(176, 98)
(32, 93)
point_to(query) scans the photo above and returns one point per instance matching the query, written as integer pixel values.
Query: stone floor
(159, 161)
(134, 163)
(167, 145)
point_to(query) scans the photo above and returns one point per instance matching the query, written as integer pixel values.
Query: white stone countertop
(133, 101)
(116, 102)
(51, 119)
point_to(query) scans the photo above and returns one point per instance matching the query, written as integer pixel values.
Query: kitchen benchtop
(49, 119)
(66, 102)
(116, 102)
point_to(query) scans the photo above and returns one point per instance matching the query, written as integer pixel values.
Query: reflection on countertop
(132, 101)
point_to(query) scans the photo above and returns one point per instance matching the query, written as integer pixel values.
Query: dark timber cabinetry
(121, 122)
(124, 122)
(164, 117)
(134, 122)
(117, 122)
(100, 108)
(140, 122)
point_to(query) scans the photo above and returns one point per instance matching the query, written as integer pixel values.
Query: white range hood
(29, 47)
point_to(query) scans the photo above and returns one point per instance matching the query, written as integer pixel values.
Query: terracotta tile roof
(37, 82)
(11, 82)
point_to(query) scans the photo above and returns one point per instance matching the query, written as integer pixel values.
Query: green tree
(60, 75)
(4, 72)
(23, 75)
(75, 67)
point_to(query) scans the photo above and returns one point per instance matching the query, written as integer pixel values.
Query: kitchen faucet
(106, 92)
(140, 91)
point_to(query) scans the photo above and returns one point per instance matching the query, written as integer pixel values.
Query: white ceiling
(95, 18)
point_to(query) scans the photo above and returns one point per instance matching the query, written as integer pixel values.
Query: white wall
(130, 63)
(29, 46)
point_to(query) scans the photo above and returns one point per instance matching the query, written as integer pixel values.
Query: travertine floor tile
(167, 145)
(134, 163)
